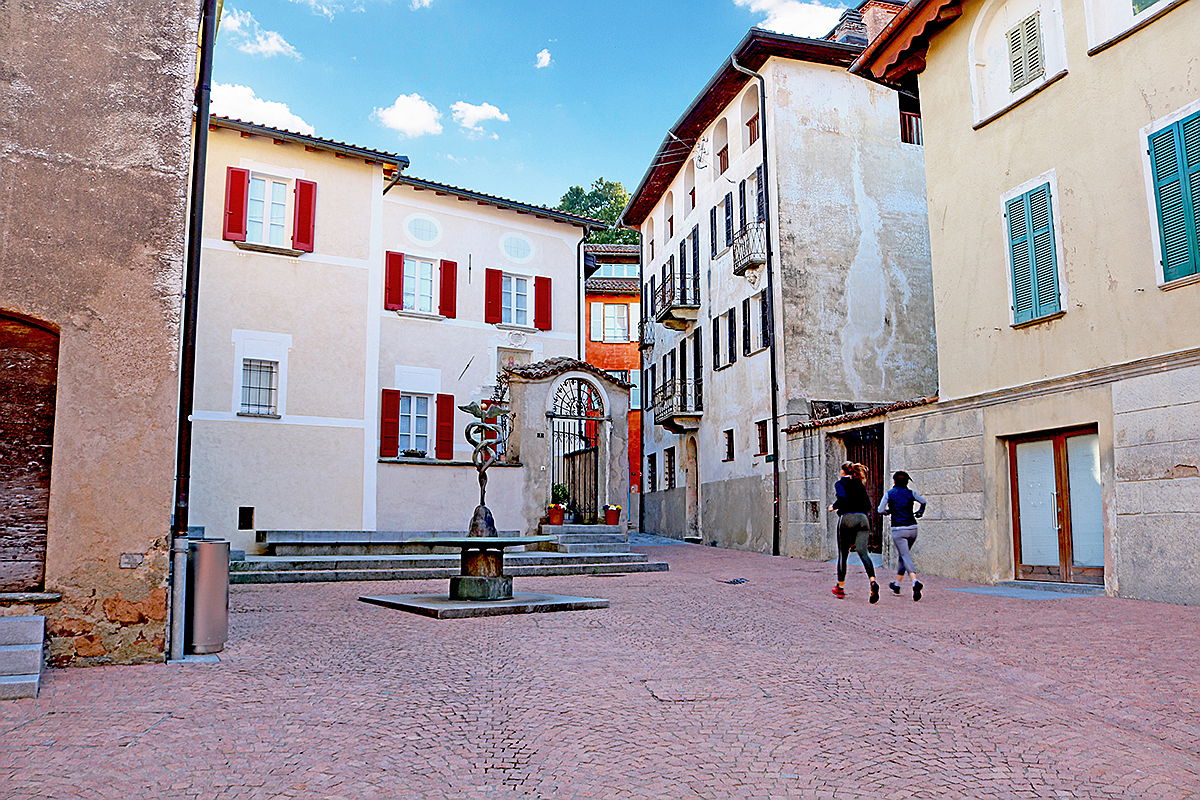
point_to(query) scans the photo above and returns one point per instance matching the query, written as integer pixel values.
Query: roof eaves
(900, 47)
(502, 202)
(855, 416)
(315, 142)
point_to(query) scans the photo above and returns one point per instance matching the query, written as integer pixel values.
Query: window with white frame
(418, 284)
(1108, 21)
(514, 300)
(1016, 48)
(260, 387)
(617, 271)
(266, 214)
(414, 422)
(616, 322)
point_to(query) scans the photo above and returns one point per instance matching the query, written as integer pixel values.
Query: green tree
(604, 201)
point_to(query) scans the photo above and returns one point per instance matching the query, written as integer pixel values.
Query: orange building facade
(612, 309)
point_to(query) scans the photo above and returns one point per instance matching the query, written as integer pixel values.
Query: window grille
(260, 387)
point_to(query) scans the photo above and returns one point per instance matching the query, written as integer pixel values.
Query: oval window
(423, 229)
(518, 248)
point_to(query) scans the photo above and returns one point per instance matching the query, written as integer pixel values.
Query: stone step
(20, 659)
(360, 549)
(597, 538)
(419, 574)
(591, 547)
(22, 630)
(292, 563)
(558, 530)
(18, 687)
(357, 537)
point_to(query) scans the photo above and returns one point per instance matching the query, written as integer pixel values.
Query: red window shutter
(393, 281)
(237, 198)
(444, 447)
(305, 223)
(389, 424)
(493, 280)
(541, 304)
(448, 304)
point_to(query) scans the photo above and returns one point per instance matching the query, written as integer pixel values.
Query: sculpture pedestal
(481, 587)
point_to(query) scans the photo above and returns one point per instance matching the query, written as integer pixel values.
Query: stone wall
(806, 534)
(1156, 431)
(666, 512)
(736, 512)
(95, 131)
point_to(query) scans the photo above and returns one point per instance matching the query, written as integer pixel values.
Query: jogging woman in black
(852, 505)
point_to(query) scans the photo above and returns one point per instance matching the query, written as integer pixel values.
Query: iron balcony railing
(678, 398)
(678, 290)
(749, 247)
(645, 334)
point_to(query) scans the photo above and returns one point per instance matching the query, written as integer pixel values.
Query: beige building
(785, 277)
(96, 138)
(346, 311)
(1063, 172)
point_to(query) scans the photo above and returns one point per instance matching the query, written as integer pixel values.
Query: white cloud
(415, 4)
(247, 35)
(240, 102)
(472, 117)
(410, 115)
(543, 59)
(325, 9)
(794, 17)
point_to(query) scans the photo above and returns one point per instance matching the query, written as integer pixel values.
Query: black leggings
(852, 532)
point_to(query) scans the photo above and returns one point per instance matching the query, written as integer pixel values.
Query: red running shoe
(839, 593)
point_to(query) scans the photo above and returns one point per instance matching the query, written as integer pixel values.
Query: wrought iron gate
(575, 419)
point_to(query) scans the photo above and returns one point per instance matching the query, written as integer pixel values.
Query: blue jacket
(899, 503)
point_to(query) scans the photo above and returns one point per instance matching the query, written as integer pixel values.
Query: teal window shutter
(1033, 256)
(1175, 167)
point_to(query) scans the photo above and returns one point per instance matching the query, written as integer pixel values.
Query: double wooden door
(1058, 521)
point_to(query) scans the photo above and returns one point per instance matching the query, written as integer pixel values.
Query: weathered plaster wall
(736, 512)
(95, 137)
(418, 497)
(852, 237)
(666, 512)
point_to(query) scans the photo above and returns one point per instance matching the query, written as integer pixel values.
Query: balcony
(749, 247)
(645, 335)
(679, 404)
(677, 301)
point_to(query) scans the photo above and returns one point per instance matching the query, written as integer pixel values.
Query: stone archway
(576, 417)
(691, 472)
(28, 387)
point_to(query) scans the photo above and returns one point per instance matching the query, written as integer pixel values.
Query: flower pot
(555, 515)
(612, 516)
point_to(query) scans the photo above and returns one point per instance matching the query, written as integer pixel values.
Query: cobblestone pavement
(686, 687)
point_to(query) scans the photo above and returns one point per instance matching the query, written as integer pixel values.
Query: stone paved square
(686, 687)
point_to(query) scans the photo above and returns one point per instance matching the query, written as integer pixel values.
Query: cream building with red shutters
(346, 311)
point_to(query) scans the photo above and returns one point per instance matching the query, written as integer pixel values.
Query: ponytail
(856, 471)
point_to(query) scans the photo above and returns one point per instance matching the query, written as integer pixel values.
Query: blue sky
(512, 97)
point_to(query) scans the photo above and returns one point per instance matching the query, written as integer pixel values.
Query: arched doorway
(576, 416)
(691, 472)
(28, 385)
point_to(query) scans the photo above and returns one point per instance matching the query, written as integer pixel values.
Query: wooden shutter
(304, 221)
(389, 424)
(597, 322)
(716, 339)
(543, 303)
(1018, 251)
(635, 317)
(393, 281)
(696, 251)
(729, 219)
(1032, 42)
(493, 281)
(712, 231)
(747, 345)
(760, 191)
(764, 308)
(444, 428)
(237, 199)
(448, 301)
(742, 205)
(732, 334)
(1175, 167)
(1045, 255)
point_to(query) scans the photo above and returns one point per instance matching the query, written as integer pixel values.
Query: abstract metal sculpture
(483, 456)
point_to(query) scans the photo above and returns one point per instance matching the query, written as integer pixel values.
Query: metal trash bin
(207, 596)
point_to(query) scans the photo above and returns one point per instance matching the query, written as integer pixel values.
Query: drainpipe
(187, 359)
(776, 533)
(579, 291)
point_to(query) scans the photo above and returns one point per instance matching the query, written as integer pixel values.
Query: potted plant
(559, 493)
(612, 514)
(413, 453)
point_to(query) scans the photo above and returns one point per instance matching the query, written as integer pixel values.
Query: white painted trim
(265, 346)
(273, 170)
(418, 380)
(1135, 21)
(426, 218)
(1148, 179)
(1051, 177)
(1048, 8)
(371, 394)
(291, 419)
(309, 258)
(479, 326)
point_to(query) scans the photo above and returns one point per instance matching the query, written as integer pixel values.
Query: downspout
(776, 532)
(579, 291)
(187, 359)
(620, 223)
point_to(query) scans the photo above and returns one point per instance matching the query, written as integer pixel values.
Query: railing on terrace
(749, 247)
(645, 334)
(678, 398)
(679, 290)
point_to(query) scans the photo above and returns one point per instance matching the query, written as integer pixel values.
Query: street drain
(736, 581)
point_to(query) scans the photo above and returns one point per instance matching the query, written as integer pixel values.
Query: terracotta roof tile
(630, 285)
(557, 366)
(854, 416)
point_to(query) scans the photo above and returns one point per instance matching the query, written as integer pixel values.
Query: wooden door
(28, 384)
(1058, 526)
(865, 446)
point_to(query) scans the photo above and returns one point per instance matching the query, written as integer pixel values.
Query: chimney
(851, 29)
(877, 14)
